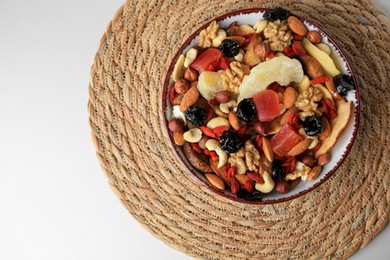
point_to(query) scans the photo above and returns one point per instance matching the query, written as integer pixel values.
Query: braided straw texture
(334, 221)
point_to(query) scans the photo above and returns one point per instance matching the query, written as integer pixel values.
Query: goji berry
(293, 164)
(214, 158)
(255, 177)
(206, 152)
(220, 129)
(298, 37)
(330, 104)
(196, 148)
(319, 80)
(271, 55)
(234, 186)
(298, 49)
(207, 131)
(248, 185)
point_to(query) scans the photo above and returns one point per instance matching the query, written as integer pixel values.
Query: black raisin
(229, 48)
(312, 125)
(255, 195)
(343, 83)
(246, 110)
(278, 173)
(276, 13)
(196, 115)
(230, 142)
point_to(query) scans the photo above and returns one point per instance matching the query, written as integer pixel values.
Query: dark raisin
(255, 195)
(230, 142)
(312, 125)
(276, 13)
(196, 115)
(246, 110)
(278, 173)
(343, 83)
(229, 48)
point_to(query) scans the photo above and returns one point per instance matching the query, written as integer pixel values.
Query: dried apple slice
(250, 58)
(344, 114)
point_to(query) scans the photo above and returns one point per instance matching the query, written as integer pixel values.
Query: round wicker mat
(335, 220)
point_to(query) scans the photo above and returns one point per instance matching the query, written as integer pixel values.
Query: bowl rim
(189, 168)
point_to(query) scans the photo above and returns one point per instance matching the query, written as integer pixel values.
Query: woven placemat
(335, 220)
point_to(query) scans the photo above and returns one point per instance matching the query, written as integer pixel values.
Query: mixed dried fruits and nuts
(257, 108)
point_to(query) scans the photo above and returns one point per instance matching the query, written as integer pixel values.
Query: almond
(314, 173)
(309, 161)
(323, 159)
(289, 97)
(300, 147)
(297, 26)
(234, 120)
(262, 50)
(325, 130)
(312, 67)
(182, 86)
(223, 97)
(190, 97)
(267, 148)
(178, 138)
(215, 181)
(314, 37)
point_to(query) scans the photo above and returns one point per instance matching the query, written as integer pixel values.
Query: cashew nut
(225, 108)
(268, 185)
(190, 57)
(193, 135)
(240, 56)
(260, 25)
(221, 35)
(213, 145)
(218, 121)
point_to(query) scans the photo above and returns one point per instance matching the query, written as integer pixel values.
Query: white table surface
(54, 199)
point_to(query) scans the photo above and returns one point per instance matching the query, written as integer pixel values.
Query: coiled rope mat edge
(125, 103)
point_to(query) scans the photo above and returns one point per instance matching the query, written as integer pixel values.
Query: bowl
(339, 151)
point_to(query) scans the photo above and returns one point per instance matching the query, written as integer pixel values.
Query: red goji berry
(271, 55)
(234, 186)
(196, 148)
(298, 49)
(206, 152)
(330, 104)
(248, 185)
(220, 129)
(333, 114)
(207, 131)
(215, 158)
(293, 164)
(319, 80)
(298, 37)
(224, 63)
(255, 177)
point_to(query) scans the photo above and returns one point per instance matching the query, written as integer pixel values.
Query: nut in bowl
(261, 106)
